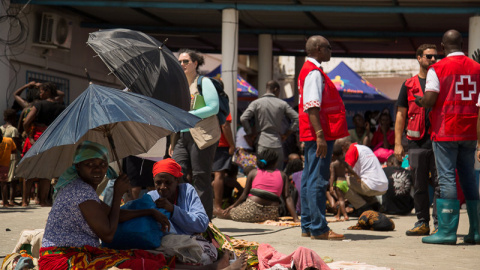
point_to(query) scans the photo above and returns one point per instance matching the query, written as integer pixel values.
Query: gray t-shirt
(269, 112)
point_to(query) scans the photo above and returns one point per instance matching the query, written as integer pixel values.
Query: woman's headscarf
(85, 150)
(167, 165)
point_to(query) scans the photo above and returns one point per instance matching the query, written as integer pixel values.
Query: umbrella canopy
(143, 64)
(244, 89)
(352, 87)
(135, 123)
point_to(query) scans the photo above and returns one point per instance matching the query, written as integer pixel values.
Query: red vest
(415, 114)
(332, 110)
(454, 116)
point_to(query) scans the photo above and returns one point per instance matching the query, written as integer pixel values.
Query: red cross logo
(465, 87)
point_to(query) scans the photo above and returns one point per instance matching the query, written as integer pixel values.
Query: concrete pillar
(4, 66)
(473, 35)
(265, 62)
(230, 59)
(299, 61)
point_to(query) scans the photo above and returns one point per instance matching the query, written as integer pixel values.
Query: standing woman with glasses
(195, 154)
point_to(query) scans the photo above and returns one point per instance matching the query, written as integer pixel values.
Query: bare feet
(218, 212)
(239, 264)
(14, 203)
(7, 205)
(346, 218)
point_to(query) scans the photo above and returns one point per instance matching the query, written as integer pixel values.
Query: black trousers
(199, 164)
(423, 169)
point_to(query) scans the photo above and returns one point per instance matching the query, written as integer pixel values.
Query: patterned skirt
(250, 211)
(88, 257)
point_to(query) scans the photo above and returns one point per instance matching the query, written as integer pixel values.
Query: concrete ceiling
(369, 28)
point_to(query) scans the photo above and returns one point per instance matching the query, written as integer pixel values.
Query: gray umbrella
(130, 123)
(143, 64)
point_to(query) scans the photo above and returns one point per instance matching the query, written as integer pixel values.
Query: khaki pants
(359, 194)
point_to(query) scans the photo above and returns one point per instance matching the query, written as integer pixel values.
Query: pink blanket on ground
(302, 258)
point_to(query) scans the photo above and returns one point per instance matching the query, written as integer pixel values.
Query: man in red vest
(321, 121)
(420, 151)
(452, 89)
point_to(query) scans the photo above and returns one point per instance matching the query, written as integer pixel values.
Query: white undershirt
(433, 84)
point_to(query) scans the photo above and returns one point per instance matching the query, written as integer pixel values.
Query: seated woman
(187, 213)
(261, 197)
(78, 219)
(383, 140)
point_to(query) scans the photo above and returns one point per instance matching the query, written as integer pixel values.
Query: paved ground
(387, 249)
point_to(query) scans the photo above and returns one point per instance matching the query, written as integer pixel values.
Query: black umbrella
(143, 64)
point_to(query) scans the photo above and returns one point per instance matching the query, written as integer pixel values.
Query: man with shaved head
(321, 121)
(452, 91)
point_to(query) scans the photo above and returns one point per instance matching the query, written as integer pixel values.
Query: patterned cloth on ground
(238, 246)
(375, 221)
(91, 258)
(33, 238)
(19, 261)
(303, 258)
(282, 222)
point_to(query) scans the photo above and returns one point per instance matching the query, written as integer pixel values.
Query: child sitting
(338, 182)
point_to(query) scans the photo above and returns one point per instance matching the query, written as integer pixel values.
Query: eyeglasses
(429, 56)
(185, 62)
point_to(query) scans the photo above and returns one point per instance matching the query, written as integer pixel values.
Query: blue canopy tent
(245, 91)
(358, 94)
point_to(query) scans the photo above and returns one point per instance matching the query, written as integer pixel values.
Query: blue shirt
(66, 226)
(189, 216)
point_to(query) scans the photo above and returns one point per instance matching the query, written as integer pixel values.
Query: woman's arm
(105, 224)
(19, 91)
(227, 132)
(211, 100)
(288, 198)
(189, 214)
(27, 124)
(60, 96)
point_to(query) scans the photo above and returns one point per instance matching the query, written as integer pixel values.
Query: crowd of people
(346, 172)
(33, 113)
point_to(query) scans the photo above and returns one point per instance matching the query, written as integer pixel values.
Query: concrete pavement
(386, 249)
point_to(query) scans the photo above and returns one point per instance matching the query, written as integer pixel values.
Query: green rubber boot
(473, 236)
(448, 212)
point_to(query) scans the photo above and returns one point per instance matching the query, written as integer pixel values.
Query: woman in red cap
(187, 213)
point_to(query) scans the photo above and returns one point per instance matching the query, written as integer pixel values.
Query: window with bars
(63, 84)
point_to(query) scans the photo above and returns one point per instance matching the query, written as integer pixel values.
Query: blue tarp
(353, 87)
(358, 94)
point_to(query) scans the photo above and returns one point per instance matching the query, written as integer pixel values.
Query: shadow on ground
(355, 237)
(16, 209)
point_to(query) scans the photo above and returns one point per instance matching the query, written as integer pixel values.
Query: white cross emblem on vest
(465, 87)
